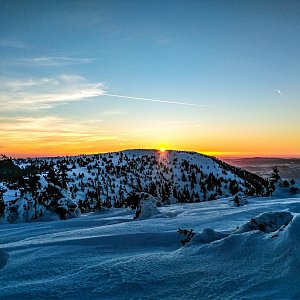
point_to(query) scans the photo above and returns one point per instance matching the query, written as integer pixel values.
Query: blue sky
(236, 61)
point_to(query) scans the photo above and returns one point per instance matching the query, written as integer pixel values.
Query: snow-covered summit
(61, 186)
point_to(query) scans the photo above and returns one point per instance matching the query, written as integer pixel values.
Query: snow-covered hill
(65, 187)
(246, 252)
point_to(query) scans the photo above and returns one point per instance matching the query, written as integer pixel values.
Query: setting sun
(162, 149)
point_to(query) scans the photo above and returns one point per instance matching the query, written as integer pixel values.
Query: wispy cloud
(44, 130)
(47, 92)
(44, 61)
(44, 93)
(19, 84)
(53, 135)
(49, 125)
(155, 100)
(54, 61)
(12, 43)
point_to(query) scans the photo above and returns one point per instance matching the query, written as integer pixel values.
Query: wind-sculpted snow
(147, 207)
(209, 235)
(267, 222)
(108, 255)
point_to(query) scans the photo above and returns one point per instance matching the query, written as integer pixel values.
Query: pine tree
(2, 203)
(275, 174)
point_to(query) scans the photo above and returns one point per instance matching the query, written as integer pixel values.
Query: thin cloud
(54, 135)
(65, 96)
(13, 43)
(45, 61)
(52, 61)
(44, 93)
(155, 100)
(20, 84)
(72, 78)
(16, 128)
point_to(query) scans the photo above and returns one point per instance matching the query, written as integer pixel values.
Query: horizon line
(218, 154)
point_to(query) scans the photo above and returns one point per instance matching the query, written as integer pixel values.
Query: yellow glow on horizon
(54, 136)
(70, 150)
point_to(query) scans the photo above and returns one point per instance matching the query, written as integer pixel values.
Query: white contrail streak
(154, 100)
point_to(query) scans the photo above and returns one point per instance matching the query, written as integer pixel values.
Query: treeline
(92, 182)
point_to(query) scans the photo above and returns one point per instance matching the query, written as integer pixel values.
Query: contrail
(155, 100)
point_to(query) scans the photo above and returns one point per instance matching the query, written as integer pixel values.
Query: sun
(162, 149)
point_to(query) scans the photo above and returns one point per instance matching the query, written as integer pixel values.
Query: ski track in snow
(110, 256)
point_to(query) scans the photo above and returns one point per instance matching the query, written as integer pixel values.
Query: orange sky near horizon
(37, 145)
(57, 136)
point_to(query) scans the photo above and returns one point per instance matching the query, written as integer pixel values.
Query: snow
(109, 255)
(209, 235)
(267, 222)
(238, 200)
(242, 247)
(147, 207)
(86, 183)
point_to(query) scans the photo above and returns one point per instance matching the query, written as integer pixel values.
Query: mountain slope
(67, 186)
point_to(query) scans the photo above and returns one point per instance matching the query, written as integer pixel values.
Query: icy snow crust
(108, 255)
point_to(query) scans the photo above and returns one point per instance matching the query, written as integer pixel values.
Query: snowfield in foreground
(108, 255)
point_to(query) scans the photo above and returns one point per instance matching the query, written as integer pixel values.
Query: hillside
(65, 187)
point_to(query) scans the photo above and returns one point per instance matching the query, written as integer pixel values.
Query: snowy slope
(108, 255)
(51, 188)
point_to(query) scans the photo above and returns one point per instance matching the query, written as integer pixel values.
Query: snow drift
(209, 235)
(107, 255)
(267, 222)
(147, 207)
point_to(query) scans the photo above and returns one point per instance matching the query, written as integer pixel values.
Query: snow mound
(284, 188)
(291, 235)
(65, 207)
(147, 207)
(209, 235)
(267, 222)
(21, 210)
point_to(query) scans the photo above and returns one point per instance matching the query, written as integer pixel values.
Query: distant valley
(288, 167)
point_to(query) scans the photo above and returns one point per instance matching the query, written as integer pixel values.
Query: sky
(217, 77)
